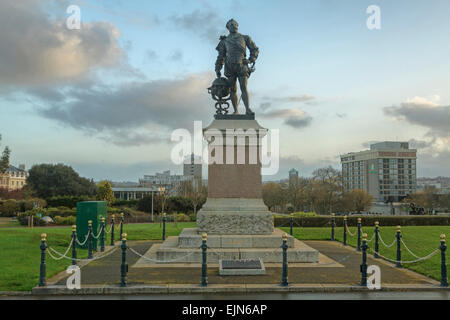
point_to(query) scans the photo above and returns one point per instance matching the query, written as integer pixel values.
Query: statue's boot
(249, 112)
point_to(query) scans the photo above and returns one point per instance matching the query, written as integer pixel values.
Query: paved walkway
(107, 271)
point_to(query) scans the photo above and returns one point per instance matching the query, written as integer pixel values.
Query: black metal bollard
(375, 255)
(124, 265)
(399, 249)
(90, 246)
(164, 219)
(74, 245)
(204, 261)
(42, 280)
(333, 224)
(364, 261)
(358, 248)
(102, 236)
(345, 230)
(284, 275)
(121, 225)
(291, 223)
(112, 230)
(443, 247)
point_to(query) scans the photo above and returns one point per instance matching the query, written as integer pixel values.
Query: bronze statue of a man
(232, 52)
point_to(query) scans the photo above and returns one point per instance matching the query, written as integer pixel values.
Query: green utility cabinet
(90, 210)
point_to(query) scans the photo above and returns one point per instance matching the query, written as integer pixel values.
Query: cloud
(176, 56)
(133, 113)
(425, 113)
(295, 118)
(304, 98)
(205, 23)
(36, 49)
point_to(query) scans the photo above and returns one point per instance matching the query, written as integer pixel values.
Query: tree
(105, 192)
(198, 197)
(297, 195)
(48, 180)
(275, 195)
(444, 202)
(357, 200)
(4, 160)
(325, 189)
(427, 199)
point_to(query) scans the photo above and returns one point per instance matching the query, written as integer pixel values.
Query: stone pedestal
(234, 204)
(234, 216)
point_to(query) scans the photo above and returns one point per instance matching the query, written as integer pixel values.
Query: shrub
(61, 211)
(181, 217)
(9, 208)
(125, 203)
(66, 201)
(24, 216)
(29, 204)
(65, 221)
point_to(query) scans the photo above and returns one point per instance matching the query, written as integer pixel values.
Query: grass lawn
(20, 253)
(421, 240)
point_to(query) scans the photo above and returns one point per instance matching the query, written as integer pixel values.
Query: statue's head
(232, 26)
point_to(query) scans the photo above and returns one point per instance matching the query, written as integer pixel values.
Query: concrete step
(192, 238)
(169, 252)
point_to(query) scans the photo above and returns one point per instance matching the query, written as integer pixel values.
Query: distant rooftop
(389, 145)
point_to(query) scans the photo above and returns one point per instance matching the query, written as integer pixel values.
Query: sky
(105, 98)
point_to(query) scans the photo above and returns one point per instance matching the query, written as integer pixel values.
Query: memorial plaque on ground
(241, 264)
(244, 267)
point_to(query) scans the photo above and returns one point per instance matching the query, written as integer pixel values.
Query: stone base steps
(169, 252)
(192, 238)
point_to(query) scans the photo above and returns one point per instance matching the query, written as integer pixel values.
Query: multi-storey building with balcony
(387, 171)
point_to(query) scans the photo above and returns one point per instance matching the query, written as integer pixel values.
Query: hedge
(325, 221)
(67, 201)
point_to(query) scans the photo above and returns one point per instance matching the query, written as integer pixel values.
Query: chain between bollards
(333, 224)
(291, 223)
(375, 255)
(345, 230)
(443, 247)
(124, 265)
(112, 230)
(90, 246)
(74, 245)
(364, 261)
(164, 219)
(42, 280)
(102, 236)
(399, 249)
(121, 225)
(204, 262)
(284, 276)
